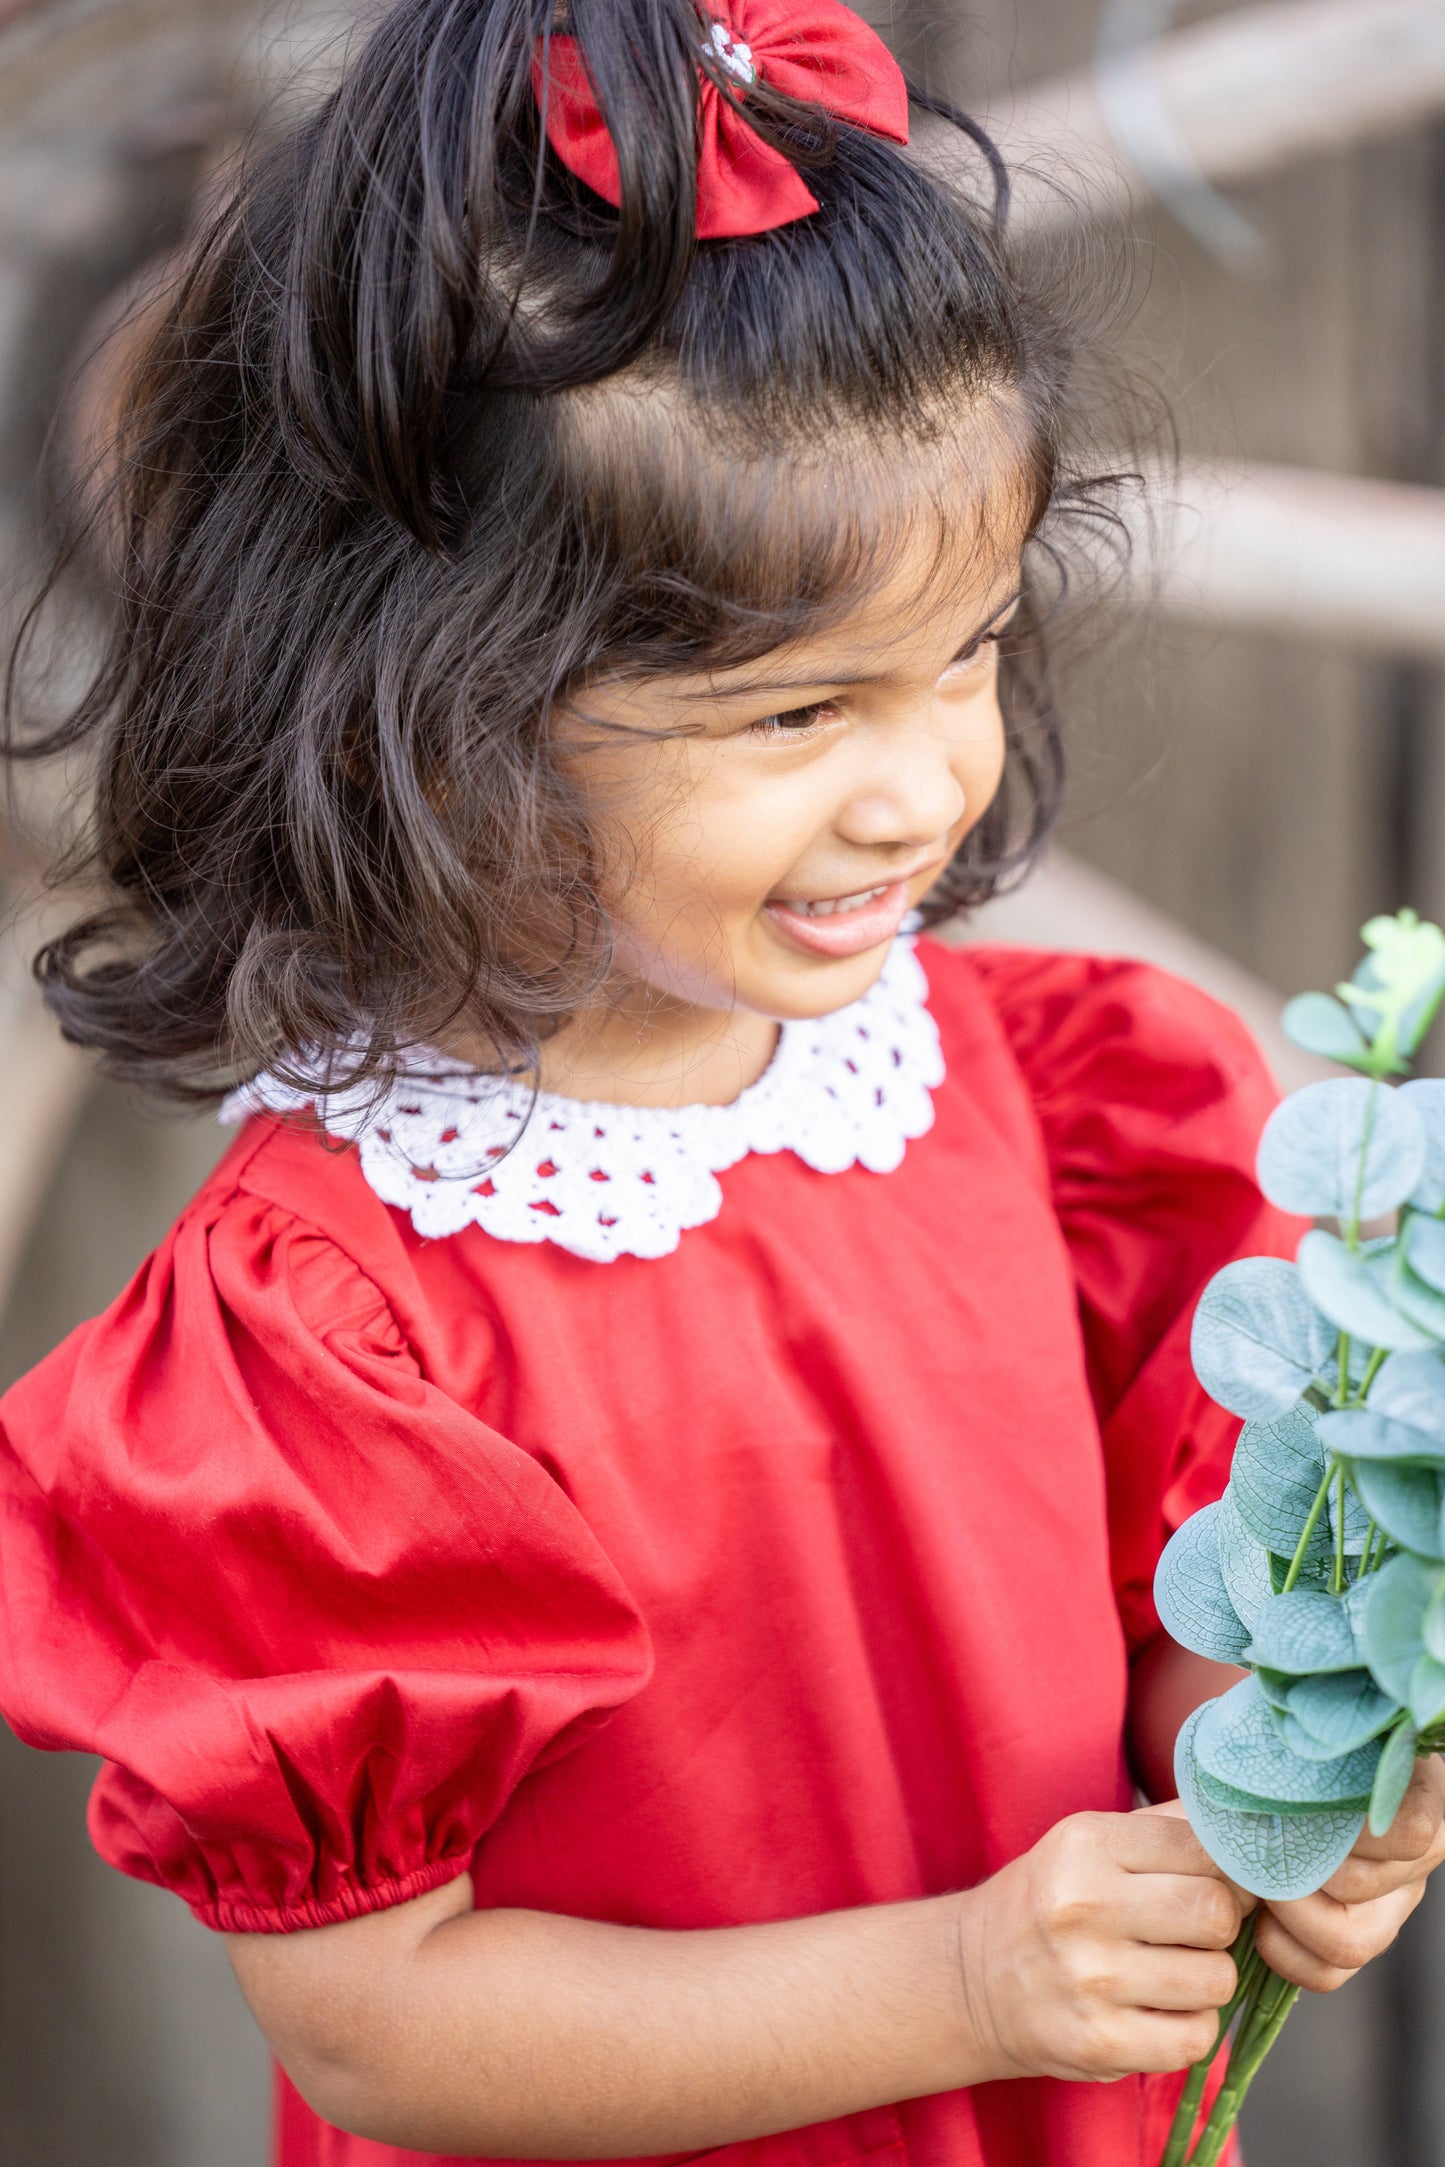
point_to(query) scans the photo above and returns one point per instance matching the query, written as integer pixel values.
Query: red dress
(792, 1570)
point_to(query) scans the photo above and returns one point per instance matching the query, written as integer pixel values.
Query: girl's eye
(792, 721)
(972, 656)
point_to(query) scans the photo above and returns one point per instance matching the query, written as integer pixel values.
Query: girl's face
(768, 853)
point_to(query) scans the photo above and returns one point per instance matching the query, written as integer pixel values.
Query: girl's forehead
(961, 572)
(929, 603)
(935, 554)
(798, 534)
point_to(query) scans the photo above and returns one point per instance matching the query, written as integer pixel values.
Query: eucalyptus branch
(1280, 1774)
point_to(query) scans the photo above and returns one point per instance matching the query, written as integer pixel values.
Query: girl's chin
(791, 985)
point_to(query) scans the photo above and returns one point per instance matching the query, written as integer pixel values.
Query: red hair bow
(815, 50)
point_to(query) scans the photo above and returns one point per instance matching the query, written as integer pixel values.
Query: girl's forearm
(1166, 1684)
(530, 2035)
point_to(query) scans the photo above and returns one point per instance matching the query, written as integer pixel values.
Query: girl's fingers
(1159, 2042)
(1415, 1831)
(1180, 1980)
(1361, 1880)
(1157, 1840)
(1293, 1961)
(1337, 1938)
(1179, 1911)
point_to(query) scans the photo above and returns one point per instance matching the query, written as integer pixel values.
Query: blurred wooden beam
(1228, 100)
(1324, 557)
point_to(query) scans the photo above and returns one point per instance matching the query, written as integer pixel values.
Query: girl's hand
(1102, 1952)
(1321, 1941)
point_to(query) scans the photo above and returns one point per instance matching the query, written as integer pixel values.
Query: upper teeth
(826, 908)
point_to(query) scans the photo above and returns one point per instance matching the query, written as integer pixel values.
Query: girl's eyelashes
(796, 722)
(792, 721)
(976, 649)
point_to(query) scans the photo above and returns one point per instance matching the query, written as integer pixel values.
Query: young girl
(609, 1552)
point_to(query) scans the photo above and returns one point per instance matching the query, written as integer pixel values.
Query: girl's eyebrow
(753, 686)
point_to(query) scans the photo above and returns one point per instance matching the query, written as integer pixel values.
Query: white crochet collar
(456, 1148)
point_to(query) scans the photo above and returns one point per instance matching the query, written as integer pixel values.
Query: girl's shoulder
(1098, 1038)
(287, 1197)
(285, 1236)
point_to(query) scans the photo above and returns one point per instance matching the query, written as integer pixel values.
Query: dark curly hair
(385, 494)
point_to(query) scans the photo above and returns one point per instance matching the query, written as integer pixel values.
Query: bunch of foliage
(1322, 1568)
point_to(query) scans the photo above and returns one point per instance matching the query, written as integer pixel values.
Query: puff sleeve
(1150, 1098)
(318, 1618)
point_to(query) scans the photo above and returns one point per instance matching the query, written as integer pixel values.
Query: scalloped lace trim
(456, 1148)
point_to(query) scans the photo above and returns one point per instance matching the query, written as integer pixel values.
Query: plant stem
(1342, 1369)
(1247, 1967)
(1256, 2035)
(1337, 1578)
(1219, 2115)
(1372, 1370)
(1181, 2129)
(1351, 1227)
(1312, 1522)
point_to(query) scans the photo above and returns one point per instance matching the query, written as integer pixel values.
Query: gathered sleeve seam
(244, 1184)
(355, 1901)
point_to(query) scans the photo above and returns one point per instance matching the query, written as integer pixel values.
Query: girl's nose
(911, 795)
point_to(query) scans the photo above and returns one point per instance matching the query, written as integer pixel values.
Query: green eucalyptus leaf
(1410, 1388)
(1427, 1097)
(1397, 989)
(1432, 1627)
(1243, 1564)
(1277, 1469)
(1274, 1855)
(1363, 1433)
(1229, 1794)
(1392, 1625)
(1348, 1288)
(1337, 1713)
(1306, 1633)
(1315, 1574)
(1319, 1023)
(1423, 1241)
(1392, 1778)
(1357, 1529)
(1257, 1340)
(1414, 1297)
(1426, 1697)
(1406, 1501)
(1276, 1686)
(1190, 1594)
(1356, 1599)
(1349, 1148)
(1238, 1744)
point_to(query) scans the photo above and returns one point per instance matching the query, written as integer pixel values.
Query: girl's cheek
(979, 760)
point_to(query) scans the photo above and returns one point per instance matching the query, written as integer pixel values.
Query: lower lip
(845, 932)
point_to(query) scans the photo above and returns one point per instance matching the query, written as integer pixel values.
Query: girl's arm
(439, 2028)
(1166, 1684)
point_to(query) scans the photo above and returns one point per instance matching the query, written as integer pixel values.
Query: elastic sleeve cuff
(226, 1916)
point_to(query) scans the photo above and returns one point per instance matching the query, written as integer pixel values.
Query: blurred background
(1258, 753)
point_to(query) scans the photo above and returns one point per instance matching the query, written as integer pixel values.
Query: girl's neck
(644, 1048)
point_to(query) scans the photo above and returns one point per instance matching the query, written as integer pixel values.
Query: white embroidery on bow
(732, 54)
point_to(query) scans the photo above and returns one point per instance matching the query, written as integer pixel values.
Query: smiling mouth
(836, 926)
(831, 906)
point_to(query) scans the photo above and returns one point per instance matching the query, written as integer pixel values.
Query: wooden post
(1325, 557)
(1237, 97)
